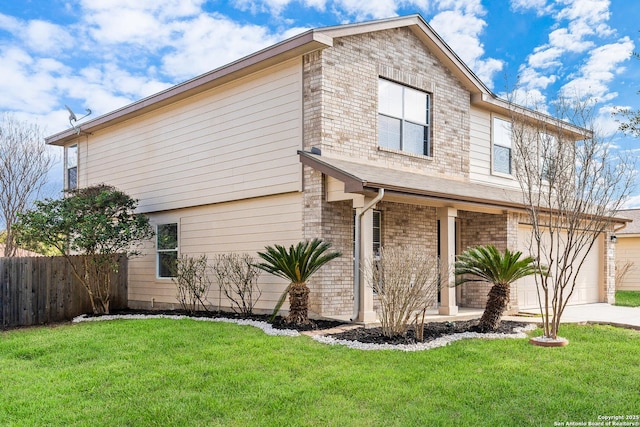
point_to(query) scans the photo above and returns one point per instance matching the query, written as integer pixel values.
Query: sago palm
(296, 265)
(487, 264)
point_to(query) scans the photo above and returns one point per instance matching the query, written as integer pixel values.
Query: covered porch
(396, 208)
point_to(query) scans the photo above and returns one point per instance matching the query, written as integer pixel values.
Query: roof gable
(426, 34)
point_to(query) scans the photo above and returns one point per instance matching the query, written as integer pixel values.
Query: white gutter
(356, 255)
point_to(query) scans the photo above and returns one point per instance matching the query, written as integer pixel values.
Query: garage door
(588, 284)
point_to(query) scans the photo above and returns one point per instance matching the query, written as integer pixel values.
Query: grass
(628, 298)
(185, 373)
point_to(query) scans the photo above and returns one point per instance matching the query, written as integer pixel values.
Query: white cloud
(599, 70)
(605, 121)
(364, 9)
(275, 7)
(9, 23)
(44, 37)
(545, 57)
(208, 42)
(564, 40)
(540, 6)
(579, 23)
(39, 36)
(532, 80)
(467, 7)
(163, 8)
(533, 99)
(462, 32)
(26, 81)
(589, 16)
(126, 26)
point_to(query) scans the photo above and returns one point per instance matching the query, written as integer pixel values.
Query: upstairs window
(403, 118)
(72, 167)
(501, 146)
(167, 249)
(548, 155)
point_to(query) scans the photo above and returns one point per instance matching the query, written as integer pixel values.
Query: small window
(72, 167)
(501, 146)
(167, 249)
(377, 232)
(403, 118)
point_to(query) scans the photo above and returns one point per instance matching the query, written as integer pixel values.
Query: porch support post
(366, 312)
(447, 217)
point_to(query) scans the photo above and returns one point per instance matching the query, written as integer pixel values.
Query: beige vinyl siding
(238, 226)
(480, 151)
(628, 250)
(228, 143)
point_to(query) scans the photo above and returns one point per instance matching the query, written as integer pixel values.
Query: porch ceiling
(363, 178)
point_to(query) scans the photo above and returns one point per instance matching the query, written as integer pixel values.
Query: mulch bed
(432, 330)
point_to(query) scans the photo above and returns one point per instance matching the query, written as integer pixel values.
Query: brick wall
(481, 229)
(341, 102)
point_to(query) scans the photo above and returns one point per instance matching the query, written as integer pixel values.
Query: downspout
(356, 253)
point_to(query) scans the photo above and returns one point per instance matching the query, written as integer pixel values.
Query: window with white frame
(548, 156)
(403, 118)
(377, 232)
(501, 146)
(72, 167)
(167, 249)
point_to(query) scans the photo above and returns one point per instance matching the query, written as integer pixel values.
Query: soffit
(364, 178)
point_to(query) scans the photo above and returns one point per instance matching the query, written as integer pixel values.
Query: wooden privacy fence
(37, 290)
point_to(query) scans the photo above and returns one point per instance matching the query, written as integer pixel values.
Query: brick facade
(341, 104)
(340, 117)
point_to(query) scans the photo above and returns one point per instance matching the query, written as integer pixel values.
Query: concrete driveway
(601, 313)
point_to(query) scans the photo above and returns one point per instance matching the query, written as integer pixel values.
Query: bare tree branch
(24, 164)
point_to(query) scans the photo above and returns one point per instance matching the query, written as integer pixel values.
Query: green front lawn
(628, 298)
(186, 373)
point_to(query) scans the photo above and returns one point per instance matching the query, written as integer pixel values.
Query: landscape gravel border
(324, 339)
(438, 342)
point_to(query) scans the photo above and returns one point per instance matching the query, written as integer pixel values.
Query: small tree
(487, 264)
(296, 264)
(192, 282)
(24, 164)
(573, 184)
(237, 276)
(96, 221)
(406, 281)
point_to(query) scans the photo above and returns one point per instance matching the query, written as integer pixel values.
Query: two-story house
(375, 130)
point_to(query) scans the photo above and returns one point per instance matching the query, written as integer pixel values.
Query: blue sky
(104, 54)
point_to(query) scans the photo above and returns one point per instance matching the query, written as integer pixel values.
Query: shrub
(237, 276)
(192, 281)
(296, 264)
(406, 281)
